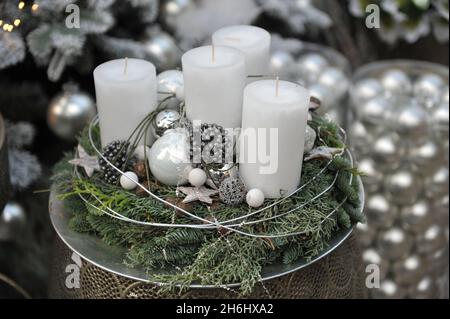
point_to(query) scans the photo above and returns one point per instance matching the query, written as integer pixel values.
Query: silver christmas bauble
(282, 64)
(376, 111)
(310, 138)
(396, 83)
(169, 84)
(425, 157)
(438, 260)
(436, 185)
(424, 289)
(366, 90)
(417, 217)
(360, 138)
(445, 96)
(440, 117)
(170, 11)
(12, 221)
(217, 173)
(372, 177)
(323, 94)
(162, 50)
(164, 121)
(403, 187)
(69, 112)
(169, 158)
(335, 80)
(409, 271)
(380, 213)
(428, 89)
(411, 120)
(311, 65)
(389, 289)
(431, 240)
(395, 243)
(372, 257)
(365, 233)
(387, 151)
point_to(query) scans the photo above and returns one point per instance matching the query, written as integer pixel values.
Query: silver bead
(431, 240)
(411, 120)
(169, 83)
(282, 64)
(376, 111)
(372, 177)
(366, 90)
(171, 9)
(395, 243)
(12, 221)
(380, 213)
(410, 270)
(445, 96)
(389, 289)
(169, 158)
(436, 185)
(424, 289)
(403, 187)
(310, 138)
(428, 89)
(336, 81)
(417, 217)
(396, 83)
(387, 151)
(366, 234)
(360, 138)
(440, 117)
(372, 257)
(162, 50)
(311, 65)
(69, 112)
(164, 121)
(425, 157)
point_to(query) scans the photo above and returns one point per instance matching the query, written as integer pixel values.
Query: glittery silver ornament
(396, 83)
(323, 94)
(403, 187)
(395, 243)
(164, 121)
(12, 221)
(436, 185)
(411, 120)
(311, 65)
(410, 270)
(440, 117)
(310, 138)
(169, 158)
(424, 289)
(365, 233)
(376, 111)
(366, 90)
(360, 138)
(431, 240)
(372, 257)
(217, 173)
(282, 64)
(428, 89)
(171, 9)
(69, 112)
(334, 80)
(170, 84)
(387, 151)
(372, 176)
(232, 191)
(425, 157)
(380, 213)
(162, 50)
(389, 289)
(417, 217)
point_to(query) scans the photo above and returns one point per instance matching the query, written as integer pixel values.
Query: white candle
(126, 93)
(254, 42)
(272, 140)
(214, 81)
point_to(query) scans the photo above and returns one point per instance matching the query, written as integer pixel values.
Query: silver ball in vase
(403, 187)
(426, 157)
(69, 112)
(431, 240)
(164, 121)
(12, 221)
(380, 212)
(171, 9)
(169, 158)
(387, 151)
(372, 177)
(323, 94)
(436, 185)
(424, 289)
(411, 120)
(428, 89)
(170, 85)
(396, 83)
(162, 50)
(409, 271)
(395, 243)
(335, 80)
(438, 260)
(366, 90)
(376, 111)
(417, 217)
(365, 233)
(372, 257)
(360, 138)
(311, 65)
(389, 289)
(282, 64)
(440, 118)
(445, 96)
(310, 138)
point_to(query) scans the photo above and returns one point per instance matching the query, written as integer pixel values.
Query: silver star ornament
(201, 194)
(88, 163)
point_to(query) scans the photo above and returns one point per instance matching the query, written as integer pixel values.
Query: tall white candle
(272, 141)
(126, 93)
(254, 42)
(214, 81)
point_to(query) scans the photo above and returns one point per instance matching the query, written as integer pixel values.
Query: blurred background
(396, 112)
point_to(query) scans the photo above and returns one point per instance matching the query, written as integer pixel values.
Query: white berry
(126, 181)
(197, 177)
(141, 151)
(255, 198)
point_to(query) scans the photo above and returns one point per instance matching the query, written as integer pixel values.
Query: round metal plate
(111, 258)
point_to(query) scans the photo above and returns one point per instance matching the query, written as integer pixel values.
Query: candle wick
(277, 87)
(125, 69)
(213, 53)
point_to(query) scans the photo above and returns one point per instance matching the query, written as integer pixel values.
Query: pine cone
(116, 153)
